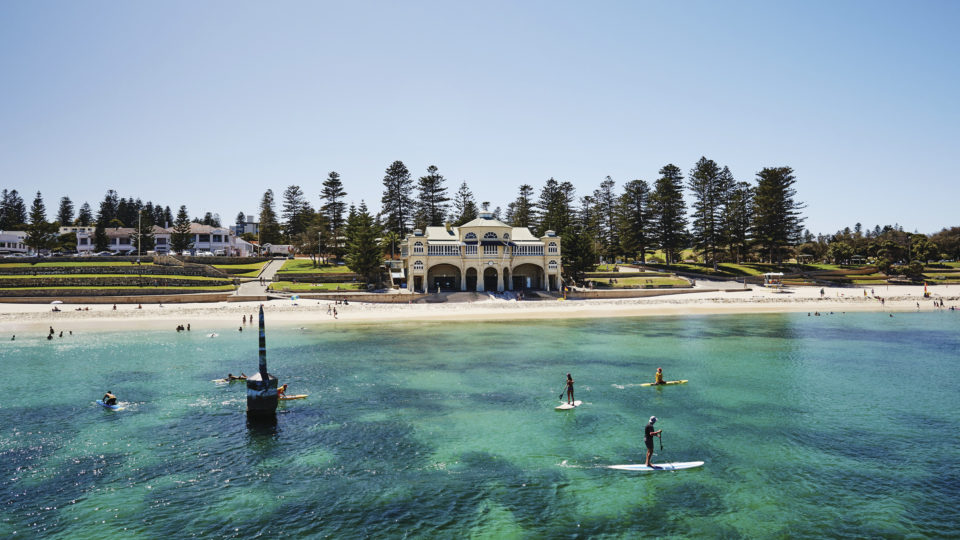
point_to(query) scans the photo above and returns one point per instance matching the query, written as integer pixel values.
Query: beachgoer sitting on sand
(109, 398)
(658, 379)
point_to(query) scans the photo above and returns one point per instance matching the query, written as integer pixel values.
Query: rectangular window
(123, 241)
(161, 241)
(490, 249)
(84, 241)
(217, 238)
(203, 238)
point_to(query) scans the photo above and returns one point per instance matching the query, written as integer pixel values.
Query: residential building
(12, 242)
(483, 255)
(250, 225)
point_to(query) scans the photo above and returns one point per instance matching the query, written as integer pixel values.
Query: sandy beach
(28, 318)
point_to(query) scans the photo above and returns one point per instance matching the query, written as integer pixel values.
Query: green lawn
(124, 288)
(305, 266)
(318, 287)
(252, 270)
(62, 264)
(147, 277)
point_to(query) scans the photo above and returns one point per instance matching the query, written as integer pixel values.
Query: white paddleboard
(567, 406)
(640, 467)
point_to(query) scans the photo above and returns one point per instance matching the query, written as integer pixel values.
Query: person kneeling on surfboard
(282, 391)
(648, 435)
(109, 398)
(569, 389)
(658, 379)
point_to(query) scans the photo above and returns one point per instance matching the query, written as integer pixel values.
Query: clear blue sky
(210, 103)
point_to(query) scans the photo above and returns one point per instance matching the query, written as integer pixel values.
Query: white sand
(32, 318)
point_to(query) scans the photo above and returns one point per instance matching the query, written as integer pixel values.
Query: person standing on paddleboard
(648, 435)
(569, 389)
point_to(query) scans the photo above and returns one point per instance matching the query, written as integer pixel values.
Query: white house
(12, 242)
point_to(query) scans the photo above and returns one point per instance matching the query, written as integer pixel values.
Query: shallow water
(842, 425)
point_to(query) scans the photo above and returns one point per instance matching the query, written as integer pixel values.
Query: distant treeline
(728, 220)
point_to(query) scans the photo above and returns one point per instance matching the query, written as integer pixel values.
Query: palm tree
(390, 238)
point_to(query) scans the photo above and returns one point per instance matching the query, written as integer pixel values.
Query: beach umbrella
(56, 302)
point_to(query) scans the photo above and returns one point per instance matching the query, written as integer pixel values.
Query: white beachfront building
(204, 238)
(11, 242)
(120, 240)
(483, 255)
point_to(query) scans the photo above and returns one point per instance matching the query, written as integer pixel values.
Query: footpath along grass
(638, 282)
(289, 286)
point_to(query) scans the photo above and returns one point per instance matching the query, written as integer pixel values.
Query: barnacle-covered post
(261, 386)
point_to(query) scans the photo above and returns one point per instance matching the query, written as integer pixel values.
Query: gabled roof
(485, 222)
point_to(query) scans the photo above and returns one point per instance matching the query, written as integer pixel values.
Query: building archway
(471, 279)
(527, 276)
(444, 276)
(490, 279)
(507, 285)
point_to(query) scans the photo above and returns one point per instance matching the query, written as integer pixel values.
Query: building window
(470, 236)
(552, 247)
(552, 265)
(470, 249)
(506, 236)
(161, 241)
(490, 236)
(84, 241)
(443, 249)
(123, 241)
(490, 249)
(217, 238)
(418, 247)
(529, 250)
(418, 266)
(203, 238)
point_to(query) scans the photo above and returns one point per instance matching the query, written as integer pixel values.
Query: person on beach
(648, 435)
(658, 378)
(570, 399)
(109, 398)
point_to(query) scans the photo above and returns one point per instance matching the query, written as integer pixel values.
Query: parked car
(104, 253)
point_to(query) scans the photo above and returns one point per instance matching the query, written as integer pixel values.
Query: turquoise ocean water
(834, 426)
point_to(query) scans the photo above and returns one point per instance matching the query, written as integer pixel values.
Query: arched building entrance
(527, 276)
(446, 277)
(490, 279)
(471, 284)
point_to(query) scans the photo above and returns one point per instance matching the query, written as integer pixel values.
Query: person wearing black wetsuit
(648, 435)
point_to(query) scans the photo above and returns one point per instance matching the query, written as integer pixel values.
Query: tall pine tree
(396, 202)
(710, 190)
(65, 212)
(297, 213)
(521, 212)
(777, 223)
(432, 201)
(269, 227)
(669, 212)
(40, 234)
(180, 239)
(464, 206)
(363, 253)
(635, 219)
(333, 210)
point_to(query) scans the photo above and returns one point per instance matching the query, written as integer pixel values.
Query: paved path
(254, 288)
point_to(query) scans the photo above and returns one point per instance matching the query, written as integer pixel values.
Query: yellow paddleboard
(665, 383)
